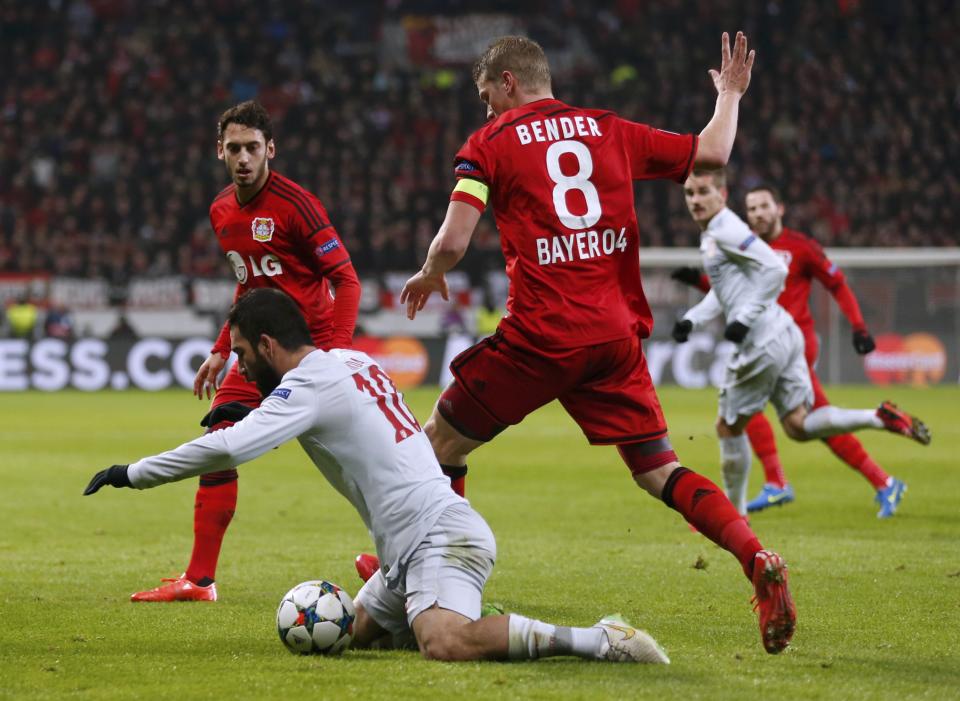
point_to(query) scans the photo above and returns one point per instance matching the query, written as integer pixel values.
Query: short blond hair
(521, 56)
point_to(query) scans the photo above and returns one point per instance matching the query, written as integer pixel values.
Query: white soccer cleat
(624, 643)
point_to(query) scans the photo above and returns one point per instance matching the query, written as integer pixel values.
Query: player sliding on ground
(806, 261)
(560, 180)
(746, 277)
(354, 425)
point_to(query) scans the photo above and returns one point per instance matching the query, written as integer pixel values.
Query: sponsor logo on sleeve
(832, 270)
(324, 248)
(281, 392)
(262, 228)
(465, 168)
(746, 242)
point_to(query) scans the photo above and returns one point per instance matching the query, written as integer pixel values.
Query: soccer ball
(316, 618)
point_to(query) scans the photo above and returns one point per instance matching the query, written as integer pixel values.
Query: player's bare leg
(451, 448)
(804, 425)
(448, 636)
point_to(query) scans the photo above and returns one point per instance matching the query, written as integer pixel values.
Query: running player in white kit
(436, 551)
(746, 277)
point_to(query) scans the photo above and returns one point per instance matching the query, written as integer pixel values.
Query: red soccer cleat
(778, 615)
(898, 421)
(177, 589)
(367, 565)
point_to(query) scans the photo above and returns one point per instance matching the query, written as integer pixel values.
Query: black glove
(687, 275)
(116, 476)
(863, 342)
(735, 331)
(681, 330)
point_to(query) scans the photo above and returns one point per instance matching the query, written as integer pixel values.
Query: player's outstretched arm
(446, 250)
(731, 82)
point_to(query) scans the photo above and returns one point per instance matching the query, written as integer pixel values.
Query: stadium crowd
(108, 111)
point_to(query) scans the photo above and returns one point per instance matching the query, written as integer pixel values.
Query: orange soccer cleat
(778, 615)
(177, 589)
(367, 565)
(896, 420)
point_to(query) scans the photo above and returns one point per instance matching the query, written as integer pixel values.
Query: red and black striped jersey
(283, 238)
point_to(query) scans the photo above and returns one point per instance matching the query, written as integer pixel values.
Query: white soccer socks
(834, 421)
(531, 639)
(735, 465)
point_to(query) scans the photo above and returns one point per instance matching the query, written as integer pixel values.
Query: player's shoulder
(801, 239)
(224, 200)
(282, 189)
(726, 221)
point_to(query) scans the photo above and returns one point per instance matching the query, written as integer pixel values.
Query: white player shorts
(776, 372)
(449, 568)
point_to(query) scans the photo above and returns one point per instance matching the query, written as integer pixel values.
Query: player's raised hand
(206, 379)
(418, 289)
(734, 73)
(115, 476)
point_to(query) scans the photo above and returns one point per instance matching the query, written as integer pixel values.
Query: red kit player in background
(560, 180)
(274, 234)
(806, 261)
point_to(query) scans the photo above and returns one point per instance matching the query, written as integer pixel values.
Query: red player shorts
(235, 388)
(605, 388)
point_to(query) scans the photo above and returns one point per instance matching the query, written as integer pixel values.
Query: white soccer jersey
(746, 277)
(353, 423)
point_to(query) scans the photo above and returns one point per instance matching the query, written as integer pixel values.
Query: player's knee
(793, 425)
(724, 430)
(442, 643)
(365, 629)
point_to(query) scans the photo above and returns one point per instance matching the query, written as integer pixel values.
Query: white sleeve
(769, 271)
(705, 311)
(285, 414)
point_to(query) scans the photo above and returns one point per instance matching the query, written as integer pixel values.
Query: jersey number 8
(578, 181)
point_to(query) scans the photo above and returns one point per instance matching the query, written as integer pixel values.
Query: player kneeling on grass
(437, 552)
(746, 277)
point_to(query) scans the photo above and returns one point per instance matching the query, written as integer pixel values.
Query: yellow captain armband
(468, 189)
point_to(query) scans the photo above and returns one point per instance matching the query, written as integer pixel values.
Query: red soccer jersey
(561, 187)
(806, 260)
(282, 238)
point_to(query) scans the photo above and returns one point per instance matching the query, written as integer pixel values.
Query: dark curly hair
(250, 114)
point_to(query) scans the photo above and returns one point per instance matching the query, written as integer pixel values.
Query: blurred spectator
(108, 109)
(22, 317)
(123, 330)
(58, 323)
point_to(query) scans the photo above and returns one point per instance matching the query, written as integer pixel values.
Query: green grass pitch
(879, 601)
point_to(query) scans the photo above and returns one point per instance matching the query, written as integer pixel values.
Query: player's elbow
(449, 245)
(711, 155)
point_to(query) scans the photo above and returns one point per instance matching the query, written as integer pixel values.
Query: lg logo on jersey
(268, 265)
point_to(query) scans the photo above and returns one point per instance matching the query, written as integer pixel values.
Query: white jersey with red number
(353, 423)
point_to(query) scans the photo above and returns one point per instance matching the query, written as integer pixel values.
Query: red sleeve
(474, 160)
(332, 261)
(222, 344)
(656, 154)
(346, 304)
(831, 277)
(704, 284)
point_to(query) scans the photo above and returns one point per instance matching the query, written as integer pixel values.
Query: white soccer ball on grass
(316, 618)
